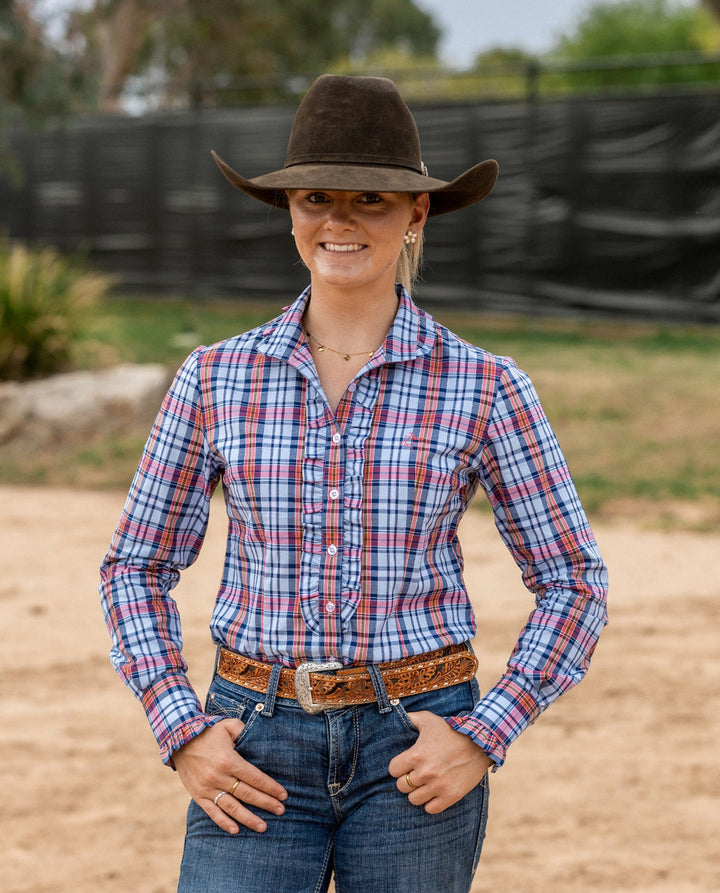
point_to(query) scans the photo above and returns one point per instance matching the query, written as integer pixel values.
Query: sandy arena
(616, 788)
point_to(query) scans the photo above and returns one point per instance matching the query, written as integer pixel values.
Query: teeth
(332, 246)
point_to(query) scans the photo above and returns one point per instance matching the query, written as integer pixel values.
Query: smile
(342, 246)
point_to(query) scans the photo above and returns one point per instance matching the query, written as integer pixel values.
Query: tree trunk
(120, 32)
(713, 7)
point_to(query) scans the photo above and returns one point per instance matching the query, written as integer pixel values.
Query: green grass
(165, 330)
(635, 406)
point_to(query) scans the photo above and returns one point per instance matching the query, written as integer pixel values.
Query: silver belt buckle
(303, 688)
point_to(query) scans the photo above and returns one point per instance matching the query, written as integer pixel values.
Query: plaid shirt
(342, 538)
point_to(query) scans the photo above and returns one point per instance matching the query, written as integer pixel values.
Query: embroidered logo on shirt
(410, 440)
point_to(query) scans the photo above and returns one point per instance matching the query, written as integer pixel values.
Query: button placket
(314, 503)
(331, 585)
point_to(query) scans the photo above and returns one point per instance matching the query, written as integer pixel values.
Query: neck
(350, 325)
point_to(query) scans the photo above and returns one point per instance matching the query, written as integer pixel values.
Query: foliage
(114, 54)
(503, 71)
(200, 45)
(34, 76)
(713, 7)
(638, 30)
(44, 304)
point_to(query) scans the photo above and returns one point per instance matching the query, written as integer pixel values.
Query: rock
(80, 404)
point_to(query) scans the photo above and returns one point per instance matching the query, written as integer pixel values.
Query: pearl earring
(410, 237)
(292, 231)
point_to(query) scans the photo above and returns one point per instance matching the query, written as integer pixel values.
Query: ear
(420, 210)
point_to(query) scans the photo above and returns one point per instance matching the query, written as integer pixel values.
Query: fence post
(533, 70)
(532, 104)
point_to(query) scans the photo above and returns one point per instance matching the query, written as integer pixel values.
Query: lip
(342, 247)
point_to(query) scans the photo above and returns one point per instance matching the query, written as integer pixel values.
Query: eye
(316, 198)
(371, 198)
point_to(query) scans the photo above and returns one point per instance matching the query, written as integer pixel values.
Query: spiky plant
(45, 300)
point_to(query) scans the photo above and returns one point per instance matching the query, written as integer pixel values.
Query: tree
(32, 75)
(633, 29)
(504, 71)
(213, 42)
(713, 7)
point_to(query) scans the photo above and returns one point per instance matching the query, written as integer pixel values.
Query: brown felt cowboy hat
(357, 134)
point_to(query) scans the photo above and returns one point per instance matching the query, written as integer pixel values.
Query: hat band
(362, 161)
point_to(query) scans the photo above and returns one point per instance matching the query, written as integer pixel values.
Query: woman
(343, 732)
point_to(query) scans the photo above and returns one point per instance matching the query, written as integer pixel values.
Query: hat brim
(468, 188)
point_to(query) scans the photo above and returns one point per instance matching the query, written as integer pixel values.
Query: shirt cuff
(499, 717)
(175, 714)
(183, 734)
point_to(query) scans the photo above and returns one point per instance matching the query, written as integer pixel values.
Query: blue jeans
(344, 814)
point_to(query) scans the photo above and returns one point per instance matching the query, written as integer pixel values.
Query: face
(353, 239)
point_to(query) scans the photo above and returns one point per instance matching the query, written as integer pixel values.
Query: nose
(340, 214)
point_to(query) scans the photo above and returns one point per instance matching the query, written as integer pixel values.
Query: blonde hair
(409, 263)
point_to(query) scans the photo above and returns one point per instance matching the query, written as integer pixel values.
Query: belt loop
(380, 690)
(217, 660)
(272, 688)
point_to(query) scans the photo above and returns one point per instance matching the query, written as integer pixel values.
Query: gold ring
(232, 789)
(413, 787)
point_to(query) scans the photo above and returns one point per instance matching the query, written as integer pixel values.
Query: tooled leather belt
(316, 689)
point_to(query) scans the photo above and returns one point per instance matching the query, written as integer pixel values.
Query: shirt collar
(411, 335)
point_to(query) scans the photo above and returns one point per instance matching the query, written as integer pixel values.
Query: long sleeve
(160, 532)
(541, 521)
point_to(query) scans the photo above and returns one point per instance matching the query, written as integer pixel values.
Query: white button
(336, 438)
(332, 550)
(330, 607)
(351, 387)
(334, 494)
(259, 707)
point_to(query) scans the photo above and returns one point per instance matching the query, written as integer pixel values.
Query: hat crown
(354, 121)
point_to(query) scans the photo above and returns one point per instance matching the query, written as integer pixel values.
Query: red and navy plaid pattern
(342, 528)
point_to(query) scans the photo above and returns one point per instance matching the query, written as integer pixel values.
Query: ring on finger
(222, 793)
(232, 789)
(413, 787)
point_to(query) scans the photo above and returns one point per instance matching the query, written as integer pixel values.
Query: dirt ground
(616, 788)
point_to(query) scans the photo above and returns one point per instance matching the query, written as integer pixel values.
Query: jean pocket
(222, 700)
(402, 715)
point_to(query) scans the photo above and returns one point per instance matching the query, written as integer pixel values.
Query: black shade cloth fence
(604, 205)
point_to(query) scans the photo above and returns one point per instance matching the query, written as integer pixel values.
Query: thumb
(233, 727)
(419, 718)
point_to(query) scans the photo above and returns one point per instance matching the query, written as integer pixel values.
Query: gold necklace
(340, 353)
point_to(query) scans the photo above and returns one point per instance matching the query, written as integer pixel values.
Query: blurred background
(595, 264)
(598, 251)
(603, 117)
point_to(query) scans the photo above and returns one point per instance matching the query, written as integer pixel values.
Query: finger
(437, 804)
(408, 783)
(228, 808)
(401, 764)
(251, 796)
(418, 794)
(405, 761)
(255, 782)
(233, 727)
